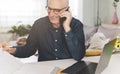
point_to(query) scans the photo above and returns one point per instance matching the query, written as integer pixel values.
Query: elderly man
(54, 39)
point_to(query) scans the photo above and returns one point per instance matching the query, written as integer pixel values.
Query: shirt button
(56, 30)
(66, 35)
(56, 49)
(56, 58)
(55, 40)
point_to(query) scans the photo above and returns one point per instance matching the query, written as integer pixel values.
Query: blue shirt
(54, 43)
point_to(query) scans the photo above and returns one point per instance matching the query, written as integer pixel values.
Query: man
(54, 39)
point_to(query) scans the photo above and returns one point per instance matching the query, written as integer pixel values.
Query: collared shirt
(54, 43)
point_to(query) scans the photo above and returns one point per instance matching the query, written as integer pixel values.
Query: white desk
(47, 66)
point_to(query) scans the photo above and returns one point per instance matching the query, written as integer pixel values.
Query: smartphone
(62, 19)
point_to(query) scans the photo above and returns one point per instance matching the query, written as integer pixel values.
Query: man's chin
(54, 22)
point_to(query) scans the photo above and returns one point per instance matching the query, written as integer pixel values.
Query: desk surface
(47, 66)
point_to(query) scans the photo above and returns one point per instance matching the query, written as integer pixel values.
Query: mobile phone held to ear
(62, 19)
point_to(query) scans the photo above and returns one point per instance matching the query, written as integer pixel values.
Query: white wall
(89, 12)
(15, 12)
(106, 11)
(76, 8)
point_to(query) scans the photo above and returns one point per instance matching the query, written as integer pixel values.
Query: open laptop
(85, 67)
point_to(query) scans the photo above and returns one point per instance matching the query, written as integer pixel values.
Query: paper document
(11, 65)
(8, 63)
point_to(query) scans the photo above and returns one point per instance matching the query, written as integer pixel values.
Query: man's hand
(5, 47)
(66, 23)
(9, 50)
(4, 44)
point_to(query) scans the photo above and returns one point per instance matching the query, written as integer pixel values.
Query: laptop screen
(105, 56)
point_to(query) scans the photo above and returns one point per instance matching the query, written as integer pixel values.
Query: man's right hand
(5, 47)
(4, 44)
(9, 50)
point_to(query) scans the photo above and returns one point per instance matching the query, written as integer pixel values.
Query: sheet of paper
(34, 68)
(8, 63)
(11, 65)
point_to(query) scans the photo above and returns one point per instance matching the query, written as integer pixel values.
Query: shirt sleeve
(31, 45)
(75, 41)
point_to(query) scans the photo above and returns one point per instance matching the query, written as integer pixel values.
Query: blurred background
(14, 13)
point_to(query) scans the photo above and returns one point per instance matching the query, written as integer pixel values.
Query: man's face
(54, 9)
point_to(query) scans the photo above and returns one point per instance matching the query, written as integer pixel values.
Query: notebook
(86, 67)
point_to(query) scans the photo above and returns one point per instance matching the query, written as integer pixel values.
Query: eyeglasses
(56, 11)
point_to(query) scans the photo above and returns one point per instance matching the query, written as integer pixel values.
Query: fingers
(9, 50)
(65, 12)
(4, 44)
(5, 49)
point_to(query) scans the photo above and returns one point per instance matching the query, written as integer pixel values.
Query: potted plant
(20, 31)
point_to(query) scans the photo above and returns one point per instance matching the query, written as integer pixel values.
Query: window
(77, 8)
(15, 12)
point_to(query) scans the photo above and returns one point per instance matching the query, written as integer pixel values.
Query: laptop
(86, 67)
